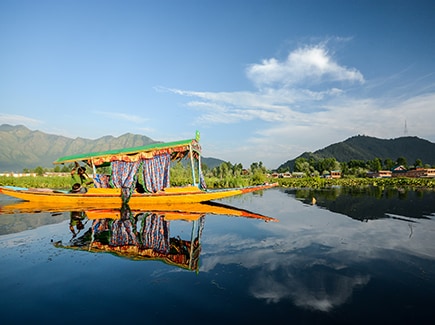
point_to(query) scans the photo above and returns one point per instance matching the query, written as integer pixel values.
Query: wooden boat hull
(103, 196)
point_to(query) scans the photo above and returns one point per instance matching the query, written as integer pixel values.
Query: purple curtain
(123, 176)
(156, 172)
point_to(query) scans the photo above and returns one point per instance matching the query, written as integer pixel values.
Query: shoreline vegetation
(65, 182)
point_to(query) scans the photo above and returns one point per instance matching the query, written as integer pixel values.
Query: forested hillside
(367, 148)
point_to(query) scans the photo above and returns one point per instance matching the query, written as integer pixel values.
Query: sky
(262, 80)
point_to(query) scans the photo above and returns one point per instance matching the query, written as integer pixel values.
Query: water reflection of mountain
(12, 223)
(370, 203)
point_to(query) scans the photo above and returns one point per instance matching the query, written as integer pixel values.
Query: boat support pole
(94, 170)
(192, 162)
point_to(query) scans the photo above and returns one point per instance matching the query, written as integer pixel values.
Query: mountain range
(22, 148)
(362, 147)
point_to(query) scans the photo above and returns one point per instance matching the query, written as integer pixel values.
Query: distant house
(332, 174)
(421, 172)
(18, 174)
(380, 174)
(398, 171)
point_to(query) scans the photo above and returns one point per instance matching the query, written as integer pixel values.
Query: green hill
(368, 148)
(23, 148)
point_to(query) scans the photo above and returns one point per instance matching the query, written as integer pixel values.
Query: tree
(257, 166)
(402, 161)
(39, 171)
(344, 168)
(328, 164)
(237, 169)
(375, 165)
(388, 164)
(418, 163)
(303, 166)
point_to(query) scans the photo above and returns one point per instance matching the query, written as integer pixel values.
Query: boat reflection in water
(140, 234)
(137, 235)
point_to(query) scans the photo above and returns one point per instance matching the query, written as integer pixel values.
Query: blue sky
(261, 80)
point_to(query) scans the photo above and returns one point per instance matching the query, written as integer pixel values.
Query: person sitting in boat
(81, 173)
(77, 188)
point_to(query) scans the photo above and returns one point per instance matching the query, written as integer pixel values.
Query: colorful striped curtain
(124, 177)
(101, 181)
(156, 172)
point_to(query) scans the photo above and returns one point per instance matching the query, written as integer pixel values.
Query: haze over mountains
(23, 148)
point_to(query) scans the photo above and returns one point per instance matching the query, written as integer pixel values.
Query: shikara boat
(150, 164)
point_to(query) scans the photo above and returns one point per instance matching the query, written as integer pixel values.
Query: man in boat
(77, 188)
(81, 173)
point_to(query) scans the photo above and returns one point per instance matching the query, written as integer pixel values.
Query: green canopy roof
(155, 147)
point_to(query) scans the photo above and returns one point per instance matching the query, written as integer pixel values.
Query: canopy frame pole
(192, 163)
(94, 170)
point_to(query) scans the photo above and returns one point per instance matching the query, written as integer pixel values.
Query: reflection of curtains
(155, 233)
(156, 172)
(123, 176)
(123, 230)
(123, 233)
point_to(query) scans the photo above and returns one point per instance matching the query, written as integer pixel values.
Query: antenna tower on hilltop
(405, 131)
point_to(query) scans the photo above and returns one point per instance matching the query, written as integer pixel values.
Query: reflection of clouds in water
(308, 255)
(308, 280)
(320, 289)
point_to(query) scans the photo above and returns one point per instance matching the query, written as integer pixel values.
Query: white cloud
(122, 116)
(309, 101)
(18, 120)
(308, 64)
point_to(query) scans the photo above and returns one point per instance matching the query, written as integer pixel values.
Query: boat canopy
(177, 150)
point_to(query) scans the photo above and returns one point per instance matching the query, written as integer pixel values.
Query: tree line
(232, 175)
(358, 168)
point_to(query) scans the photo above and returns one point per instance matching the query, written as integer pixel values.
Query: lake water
(350, 257)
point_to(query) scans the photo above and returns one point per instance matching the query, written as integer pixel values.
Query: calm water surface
(353, 257)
